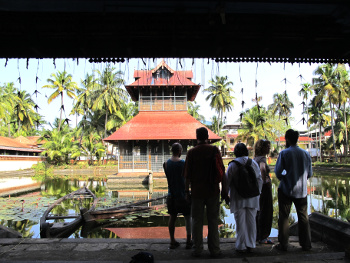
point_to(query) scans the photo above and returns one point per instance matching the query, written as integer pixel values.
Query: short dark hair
(176, 148)
(240, 150)
(292, 136)
(202, 134)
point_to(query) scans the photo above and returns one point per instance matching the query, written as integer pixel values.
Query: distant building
(19, 153)
(144, 142)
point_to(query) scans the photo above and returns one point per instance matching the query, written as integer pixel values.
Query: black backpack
(245, 181)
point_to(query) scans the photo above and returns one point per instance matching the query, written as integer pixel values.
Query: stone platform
(121, 250)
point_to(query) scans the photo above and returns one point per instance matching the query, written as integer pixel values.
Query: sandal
(189, 245)
(174, 245)
(266, 241)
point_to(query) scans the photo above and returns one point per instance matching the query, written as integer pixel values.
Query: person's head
(176, 149)
(240, 150)
(262, 147)
(202, 134)
(291, 137)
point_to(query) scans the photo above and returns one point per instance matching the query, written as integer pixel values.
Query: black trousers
(284, 205)
(265, 215)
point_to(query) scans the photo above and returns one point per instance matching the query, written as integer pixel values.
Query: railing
(144, 162)
(162, 103)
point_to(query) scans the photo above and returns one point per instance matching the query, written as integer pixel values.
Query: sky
(270, 78)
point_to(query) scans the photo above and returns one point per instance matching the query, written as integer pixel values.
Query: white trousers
(245, 228)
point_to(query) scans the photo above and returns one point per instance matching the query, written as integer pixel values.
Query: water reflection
(327, 194)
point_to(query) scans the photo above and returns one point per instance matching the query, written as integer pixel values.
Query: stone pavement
(121, 250)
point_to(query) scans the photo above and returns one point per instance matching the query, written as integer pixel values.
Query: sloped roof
(16, 145)
(159, 125)
(146, 78)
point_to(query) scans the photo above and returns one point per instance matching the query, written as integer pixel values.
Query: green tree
(220, 96)
(281, 105)
(91, 147)
(255, 125)
(193, 110)
(305, 91)
(62, 83)
(58, 145)
(111, 95)
(24, 111)
(7, 105)
(328, 86)
(318, 115)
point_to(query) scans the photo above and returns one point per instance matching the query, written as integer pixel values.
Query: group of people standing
(195, 187)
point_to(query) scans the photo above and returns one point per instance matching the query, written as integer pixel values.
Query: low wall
(333, 232)
(15, 162)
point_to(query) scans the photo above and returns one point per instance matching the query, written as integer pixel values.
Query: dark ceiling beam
(115, 30)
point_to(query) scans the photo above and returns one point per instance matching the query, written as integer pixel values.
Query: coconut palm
(119, 118)
(7, 105)
(110, 93)
(91, 146)
(305, 91)
(318, 116)
(328, 86)
(59, 145)
(24, 111)
(220, 96)
(255, 126)
(193, 110)
(62, 83)
(281, 105)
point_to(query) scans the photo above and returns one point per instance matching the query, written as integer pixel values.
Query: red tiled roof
(145, 78)
(232, 135)
(16, 145)
(328, 133)
(301, 139)
(160, 125)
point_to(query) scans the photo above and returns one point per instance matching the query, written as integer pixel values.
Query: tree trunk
(320, 143)
(59, 124)
(332, 117)
(9, 129)
(106, 122)
(346, 133)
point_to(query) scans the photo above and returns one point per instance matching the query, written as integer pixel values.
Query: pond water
(22, 208)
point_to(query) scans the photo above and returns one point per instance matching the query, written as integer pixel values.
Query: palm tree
(255, 125)
(193, 110)
(7, 105)
(344, 97)
(281, 105)
(318, 116)
(119, 118)
(328, 85)
(305, 91)
(220, 96)
(24, 111)
(62, 83)
(59, 145)
(110, 94)
(91, 146)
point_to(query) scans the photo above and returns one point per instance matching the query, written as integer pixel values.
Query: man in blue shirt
(293, 169)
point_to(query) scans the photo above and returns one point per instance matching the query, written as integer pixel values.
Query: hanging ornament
(6, 62)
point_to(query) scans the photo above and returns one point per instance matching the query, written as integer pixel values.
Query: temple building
(145, 141)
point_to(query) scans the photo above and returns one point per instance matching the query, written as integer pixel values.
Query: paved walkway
(121, 250)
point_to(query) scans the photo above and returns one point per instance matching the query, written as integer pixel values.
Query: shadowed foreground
(121, 250)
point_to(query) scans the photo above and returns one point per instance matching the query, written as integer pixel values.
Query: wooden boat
(65, 229)
(121, 211)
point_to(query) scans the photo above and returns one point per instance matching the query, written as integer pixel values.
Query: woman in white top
(244, 209)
